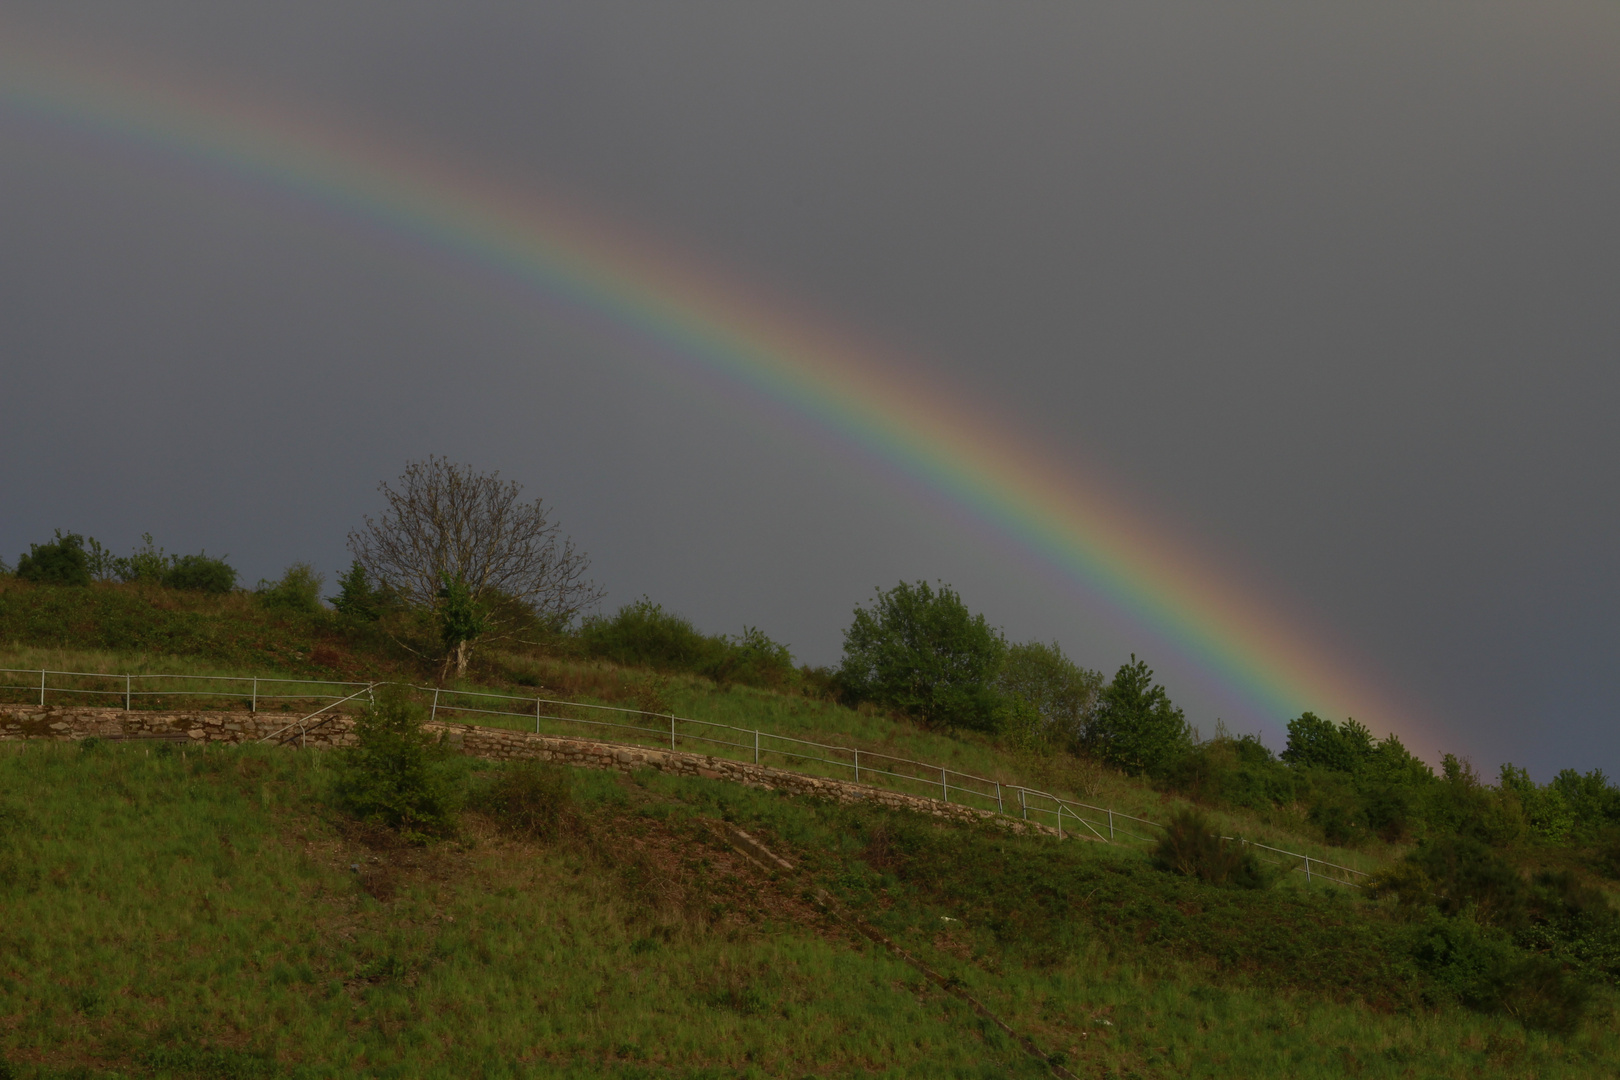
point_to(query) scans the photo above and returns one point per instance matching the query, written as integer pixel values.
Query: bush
(643, 634)
(923, 652)
(63, 561)
(530, 799)
(1236, 772)
(1482, 969)
(388, 778)
(1191, 847)
(356, 597)
(753, 659)
(199, 573)
(1135, 726)
(298, 590)
(1467, 874)
(146, 563)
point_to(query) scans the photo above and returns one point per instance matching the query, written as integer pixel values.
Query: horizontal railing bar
(165, 675)
(963, 783)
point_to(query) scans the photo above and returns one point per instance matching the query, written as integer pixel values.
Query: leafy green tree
(1135, 726)
(923, 652)
(62, 561)
(298, 590)
(1061, 692)
(1317, 743)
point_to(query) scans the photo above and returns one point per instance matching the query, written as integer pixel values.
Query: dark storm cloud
(1329, 289)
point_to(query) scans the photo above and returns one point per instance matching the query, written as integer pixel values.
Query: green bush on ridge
(62, 561)
(299, 589)
(644, 634)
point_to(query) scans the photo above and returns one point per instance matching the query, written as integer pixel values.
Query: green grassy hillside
(215, 914)
(209, 914)
(148, 629)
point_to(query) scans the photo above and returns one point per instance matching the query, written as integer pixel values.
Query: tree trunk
(461, 658)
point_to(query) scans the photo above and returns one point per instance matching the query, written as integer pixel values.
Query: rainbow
(669, 302)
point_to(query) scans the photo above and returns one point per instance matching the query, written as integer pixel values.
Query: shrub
(298, 590)
(356, 597)
(388, 778)
(1482, 969)
(643, 634)
(63, 561)
(146, 563)
(1237, 772)
(1135, 726)
(1191, 847)
(530, 799)
(1467, 874)
(753, 659)
(923, 652)
(199, 573)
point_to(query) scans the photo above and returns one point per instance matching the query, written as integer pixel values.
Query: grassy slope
(124, 628)
(197, 915)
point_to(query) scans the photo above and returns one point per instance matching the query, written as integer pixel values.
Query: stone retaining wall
(32, 722)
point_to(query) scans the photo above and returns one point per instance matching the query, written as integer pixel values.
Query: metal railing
(131, 688)
(1065, 816)
(619, 725)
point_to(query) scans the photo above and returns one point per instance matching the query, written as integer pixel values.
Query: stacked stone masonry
(29, 722)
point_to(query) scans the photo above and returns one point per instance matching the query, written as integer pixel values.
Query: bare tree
(456, 542)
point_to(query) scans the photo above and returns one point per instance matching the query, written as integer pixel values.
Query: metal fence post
(537, 716)
(1307, 869)
(944, 785)
(253, 706)
(434, 715)
(1023, 805)
(756, 746)
(672, 731)
(1110, 823)
(42, 688)
(857, 764)
(126, 693)
(999, 808)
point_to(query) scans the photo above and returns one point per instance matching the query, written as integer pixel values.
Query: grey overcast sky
(1331, 291)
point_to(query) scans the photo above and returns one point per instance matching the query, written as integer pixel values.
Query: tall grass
(207, 914)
